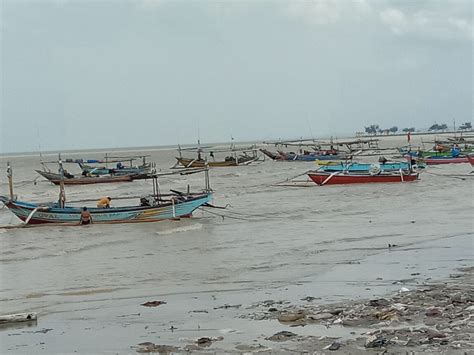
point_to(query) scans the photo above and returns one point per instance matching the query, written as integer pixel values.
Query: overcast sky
(89, 74)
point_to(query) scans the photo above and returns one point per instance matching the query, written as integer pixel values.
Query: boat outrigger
(154, 207)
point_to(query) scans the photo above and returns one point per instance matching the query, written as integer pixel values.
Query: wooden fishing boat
(311, 156)
(436, 160)
(118, 162)
(357, 167)
(102, 170)
(271, 155)
(152, 208)
(84, 180)
(206, 156)
(334, 178)
(195, 163)
(169, 207)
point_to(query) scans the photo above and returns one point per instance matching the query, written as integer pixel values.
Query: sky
(100, 74)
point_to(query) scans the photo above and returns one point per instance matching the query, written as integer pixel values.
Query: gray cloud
(98, 74)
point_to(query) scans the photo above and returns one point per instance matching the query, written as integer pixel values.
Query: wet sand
(217, 275)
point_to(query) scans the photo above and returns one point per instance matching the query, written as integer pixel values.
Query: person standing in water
(86, 217)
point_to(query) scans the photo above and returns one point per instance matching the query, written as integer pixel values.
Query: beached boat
(436, 160)
(352, 167)
(332, 178)
(195, 163)
(84, 180)
(206, 156)
(152, 208)
(118, 169)
(311, 156)
(102, 170)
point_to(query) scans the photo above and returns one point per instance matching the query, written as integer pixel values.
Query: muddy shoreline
(436, 317)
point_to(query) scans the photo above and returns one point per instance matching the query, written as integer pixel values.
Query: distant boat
(327, 178)
(195, 163)
(205, 156)
(99, 175)
(312, 156)
(84, 180)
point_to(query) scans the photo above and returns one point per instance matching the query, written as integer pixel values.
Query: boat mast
(156, 188)
(62, 193)
(10, 180)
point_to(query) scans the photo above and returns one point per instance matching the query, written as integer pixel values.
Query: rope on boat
(290, 179)
(239, 215)
(24, 183)
(223, 216)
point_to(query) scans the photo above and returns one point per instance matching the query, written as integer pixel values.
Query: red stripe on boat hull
(358, 179)
(446, 161)
(470, 158)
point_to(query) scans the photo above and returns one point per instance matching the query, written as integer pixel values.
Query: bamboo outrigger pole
(10, 180)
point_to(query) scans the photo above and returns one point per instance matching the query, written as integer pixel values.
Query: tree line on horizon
(375, 129)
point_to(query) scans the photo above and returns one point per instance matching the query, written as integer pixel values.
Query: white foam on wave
(180, 229)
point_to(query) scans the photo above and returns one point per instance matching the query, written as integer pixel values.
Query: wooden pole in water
(206, 177)
(10, 179)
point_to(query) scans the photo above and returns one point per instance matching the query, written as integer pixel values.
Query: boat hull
(135, 214)
(446, 160)
(194, 163)
(326, 178)
(310, 157)
(105, 171)
(86, 180)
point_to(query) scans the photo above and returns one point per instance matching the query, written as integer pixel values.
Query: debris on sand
(435, 318)
(282, 336)
(226, 306)
(207, 341)
(290, 317)
(334, 346)
(149, 347)
(153, 303)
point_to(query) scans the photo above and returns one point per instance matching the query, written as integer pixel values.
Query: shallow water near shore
(280, 243)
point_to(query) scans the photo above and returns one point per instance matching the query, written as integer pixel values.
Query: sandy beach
(312, 262)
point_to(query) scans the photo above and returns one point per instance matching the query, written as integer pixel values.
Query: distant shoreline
(172, 147)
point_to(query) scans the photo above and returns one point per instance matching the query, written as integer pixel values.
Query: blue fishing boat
(151, 208)
(357, 167)
(170, 206)
(121, 165)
